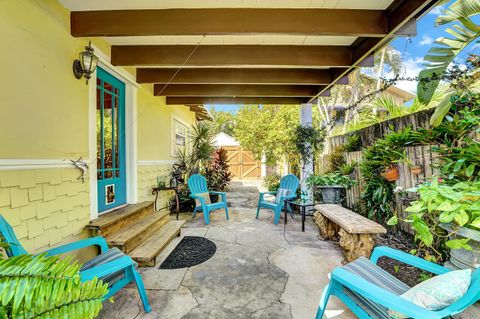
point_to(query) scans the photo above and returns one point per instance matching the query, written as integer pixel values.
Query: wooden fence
(416, 155)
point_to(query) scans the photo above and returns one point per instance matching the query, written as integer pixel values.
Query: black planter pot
(331, 194)
(214, 198)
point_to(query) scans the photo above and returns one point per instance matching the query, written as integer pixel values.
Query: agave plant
(446, 49)
(46, 287)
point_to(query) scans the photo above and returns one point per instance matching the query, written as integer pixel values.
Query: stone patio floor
(260, 270)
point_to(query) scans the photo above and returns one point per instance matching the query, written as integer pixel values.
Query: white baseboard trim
(155, 162)
(24, 164)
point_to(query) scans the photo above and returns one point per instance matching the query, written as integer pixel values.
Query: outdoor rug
(190, 251)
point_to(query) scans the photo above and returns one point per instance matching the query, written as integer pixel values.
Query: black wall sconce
(86, 64)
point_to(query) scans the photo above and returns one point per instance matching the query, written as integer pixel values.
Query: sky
(412, 49)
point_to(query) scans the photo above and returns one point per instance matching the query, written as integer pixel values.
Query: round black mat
(190, 251)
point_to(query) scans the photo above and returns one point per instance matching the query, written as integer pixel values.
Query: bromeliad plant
(46, 287)
(331, 179)
(457, 205)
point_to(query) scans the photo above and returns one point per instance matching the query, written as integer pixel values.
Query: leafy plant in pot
(217, 173)
(448, 216)
(331, 186)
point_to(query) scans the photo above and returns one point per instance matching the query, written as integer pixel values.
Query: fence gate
(243, 164)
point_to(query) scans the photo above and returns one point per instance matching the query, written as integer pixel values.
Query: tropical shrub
(217, 174)
(47, 287)
(439, 202)
(352, 144)
(272, 182)
(331, 179)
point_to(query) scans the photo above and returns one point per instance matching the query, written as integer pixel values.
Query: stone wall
(45, 206)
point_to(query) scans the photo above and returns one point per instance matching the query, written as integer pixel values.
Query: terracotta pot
(391, 173)
(416, 169)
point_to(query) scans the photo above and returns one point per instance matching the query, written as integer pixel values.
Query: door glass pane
(99, 116)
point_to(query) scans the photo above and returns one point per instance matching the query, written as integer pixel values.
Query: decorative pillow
(282, 192)
(206, 196)
(438, 292)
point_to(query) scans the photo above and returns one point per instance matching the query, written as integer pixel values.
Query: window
(179, 137)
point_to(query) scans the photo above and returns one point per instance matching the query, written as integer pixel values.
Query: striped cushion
(367, 270)
(108, 256)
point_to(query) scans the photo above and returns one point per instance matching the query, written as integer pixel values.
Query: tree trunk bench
(355, 232)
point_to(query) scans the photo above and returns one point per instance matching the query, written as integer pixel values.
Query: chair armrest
(381, 296)
(218, 193)
(267, 193)
(412, 260)
(94, 241)
(106, 269)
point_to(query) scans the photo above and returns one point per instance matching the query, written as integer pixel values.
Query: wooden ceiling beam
(229, 90)
(221, 21)
(287, 56)
(236, 76)
(234, 100)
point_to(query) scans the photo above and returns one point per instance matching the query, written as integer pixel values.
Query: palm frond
(46, 287)
(459, 9)
(441, 55)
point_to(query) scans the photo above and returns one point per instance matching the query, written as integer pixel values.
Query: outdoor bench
(355, 232)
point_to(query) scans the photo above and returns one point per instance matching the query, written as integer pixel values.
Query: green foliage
(46, 287)
(446, 49)
(335, 159)
(268, 129)
(443, 203)
(223, 122)
(201, 138)
(353, 143)
(347, 169)
(332, 179)
(272, 182)
(308, 141)
(217, 174)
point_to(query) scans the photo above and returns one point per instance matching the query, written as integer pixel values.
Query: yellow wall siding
(44, 110)
(45, 206)
(44, 114)
(147, 179)
(154, 124)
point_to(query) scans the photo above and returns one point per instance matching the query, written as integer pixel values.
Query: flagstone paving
(260, 271)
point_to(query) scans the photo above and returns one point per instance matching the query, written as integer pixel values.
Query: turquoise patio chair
(370, 291)
(198, 191)
(288, 182)
(111, 266)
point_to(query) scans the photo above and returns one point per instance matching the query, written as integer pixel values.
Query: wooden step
(111, 222)
(146, 253)
(128, 238)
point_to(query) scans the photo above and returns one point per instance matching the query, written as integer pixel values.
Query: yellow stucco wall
(44, 115)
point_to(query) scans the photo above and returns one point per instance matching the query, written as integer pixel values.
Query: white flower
(398, 189)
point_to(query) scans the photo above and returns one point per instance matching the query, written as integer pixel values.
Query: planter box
(462, 258)
(331, 194)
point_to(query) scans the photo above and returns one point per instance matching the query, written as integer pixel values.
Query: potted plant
(416, 169)
(331, 186)
(391, 173)
(450, 215)
(217, 173)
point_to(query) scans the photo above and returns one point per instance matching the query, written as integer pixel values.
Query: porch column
(307, 164)
(263, 167)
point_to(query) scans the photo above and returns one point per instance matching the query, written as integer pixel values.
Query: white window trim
(131, 150)
(174, 119)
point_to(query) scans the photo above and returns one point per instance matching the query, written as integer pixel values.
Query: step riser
(125, 222)
(134, 242)
(151, 262)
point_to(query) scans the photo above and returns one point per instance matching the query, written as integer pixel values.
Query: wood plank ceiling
(244, 51)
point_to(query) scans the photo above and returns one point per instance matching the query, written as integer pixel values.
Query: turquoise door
(111, 179)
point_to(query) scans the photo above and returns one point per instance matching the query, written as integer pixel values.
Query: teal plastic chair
(289, 182)
(369, 300)
(112, 266)
(198, 185)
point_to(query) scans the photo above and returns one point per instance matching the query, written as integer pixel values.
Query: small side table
(303, 209)
(157, 190)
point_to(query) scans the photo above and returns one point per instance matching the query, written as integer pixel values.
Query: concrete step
(146, 253)
(128, 238)
(109, 223)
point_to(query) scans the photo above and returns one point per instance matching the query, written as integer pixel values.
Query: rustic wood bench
(355, 232)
